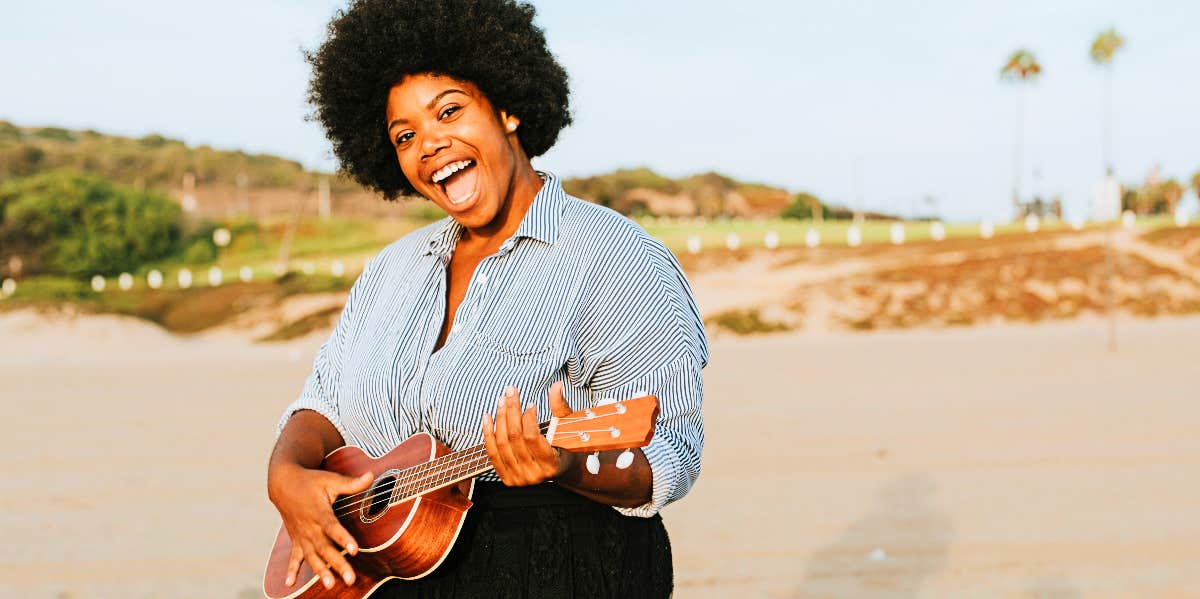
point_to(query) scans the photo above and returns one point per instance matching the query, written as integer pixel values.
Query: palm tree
(1104, 48)
(1021, 68)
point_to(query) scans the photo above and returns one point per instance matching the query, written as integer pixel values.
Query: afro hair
(373, 44)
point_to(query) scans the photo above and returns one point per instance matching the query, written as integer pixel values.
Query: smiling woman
(458, 150)
(523, 302)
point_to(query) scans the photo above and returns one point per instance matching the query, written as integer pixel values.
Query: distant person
(523, 291)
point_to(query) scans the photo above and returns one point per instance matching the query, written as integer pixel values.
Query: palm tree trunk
(1107, 90)
(1019, 141)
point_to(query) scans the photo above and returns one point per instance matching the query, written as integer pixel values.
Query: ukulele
(408, 519)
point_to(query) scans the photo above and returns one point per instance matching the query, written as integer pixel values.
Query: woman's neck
(524, 188)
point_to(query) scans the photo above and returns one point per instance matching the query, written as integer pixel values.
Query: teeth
(450, 169)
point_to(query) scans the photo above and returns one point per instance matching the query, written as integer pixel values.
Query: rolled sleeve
(674, 452)
(643, 335)
(319, 392)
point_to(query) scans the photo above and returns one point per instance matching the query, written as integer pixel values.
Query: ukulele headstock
(623, 424)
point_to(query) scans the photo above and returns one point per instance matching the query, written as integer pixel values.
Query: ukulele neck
(445, 471)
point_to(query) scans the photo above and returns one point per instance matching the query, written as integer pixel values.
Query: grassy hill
(160, 163)
(642, 191)
(152, 161)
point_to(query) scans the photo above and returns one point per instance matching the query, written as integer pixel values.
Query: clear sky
(786, 93)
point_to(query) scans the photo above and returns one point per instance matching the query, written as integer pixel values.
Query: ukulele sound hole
(379, 497)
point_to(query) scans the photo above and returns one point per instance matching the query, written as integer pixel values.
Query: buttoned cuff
(665, 474)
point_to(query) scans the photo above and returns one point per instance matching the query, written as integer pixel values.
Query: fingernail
(348, 577)
(510, 391)
(289, 581)
(352, 548)
(500, 403)
(328, 580)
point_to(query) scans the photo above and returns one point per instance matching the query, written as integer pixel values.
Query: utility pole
(189, 192)
(323, 206)
(856, 183)
(243, 200)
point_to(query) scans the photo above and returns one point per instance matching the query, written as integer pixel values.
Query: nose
(433, 142)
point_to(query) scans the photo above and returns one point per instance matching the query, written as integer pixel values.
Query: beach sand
(1000, 461)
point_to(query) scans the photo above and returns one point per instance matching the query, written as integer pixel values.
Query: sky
(801, 95)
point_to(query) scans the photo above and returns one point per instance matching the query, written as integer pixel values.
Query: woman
(523, 294)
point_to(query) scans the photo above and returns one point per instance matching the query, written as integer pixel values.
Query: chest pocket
(526, 330)
(526, 316)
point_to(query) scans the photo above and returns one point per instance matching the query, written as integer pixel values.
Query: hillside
(229, 182)
(223, 182)
(152, 161)
(641, 191)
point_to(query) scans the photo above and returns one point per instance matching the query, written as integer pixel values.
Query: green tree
(805, 206)
(1021, 68)
(1158, 198)
(1104, 48)
(78, 225)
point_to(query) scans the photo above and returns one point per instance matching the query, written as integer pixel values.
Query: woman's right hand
(304, 498)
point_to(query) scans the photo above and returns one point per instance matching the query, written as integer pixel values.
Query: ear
(509, 122)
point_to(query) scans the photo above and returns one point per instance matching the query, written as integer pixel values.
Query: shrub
(801, 207)
(745, 322)
(199, 251)
(78, 225)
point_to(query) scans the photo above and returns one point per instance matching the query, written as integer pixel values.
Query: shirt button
(482, 279)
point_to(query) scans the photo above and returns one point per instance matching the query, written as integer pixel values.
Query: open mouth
(458, 181)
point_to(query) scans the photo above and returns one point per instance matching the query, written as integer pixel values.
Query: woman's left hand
(516, 446)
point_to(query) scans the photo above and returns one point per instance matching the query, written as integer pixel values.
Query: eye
(403, 137)
(448, 111)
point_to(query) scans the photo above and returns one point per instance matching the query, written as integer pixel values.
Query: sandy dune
(990, 462)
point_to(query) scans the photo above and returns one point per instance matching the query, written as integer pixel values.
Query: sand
(1006, 461)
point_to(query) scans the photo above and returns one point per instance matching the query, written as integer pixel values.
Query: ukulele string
(422, 478)
(430, 475)
(412, 474)
(416, 476)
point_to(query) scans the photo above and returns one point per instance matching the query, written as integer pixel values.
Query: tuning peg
(625, 460)
(593, 463)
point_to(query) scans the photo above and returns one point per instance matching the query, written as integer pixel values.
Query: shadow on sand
(890, 551)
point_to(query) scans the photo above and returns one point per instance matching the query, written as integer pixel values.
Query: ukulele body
(407, 540)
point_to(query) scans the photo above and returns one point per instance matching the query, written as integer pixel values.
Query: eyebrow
(429, 106)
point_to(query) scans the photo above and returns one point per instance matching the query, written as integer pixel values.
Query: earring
(512, 126)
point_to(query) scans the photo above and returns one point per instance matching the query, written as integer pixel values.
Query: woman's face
(453, 146)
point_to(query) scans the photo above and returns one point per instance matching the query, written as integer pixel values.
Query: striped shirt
(579, 294)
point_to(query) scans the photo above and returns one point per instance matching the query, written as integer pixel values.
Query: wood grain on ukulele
(407, 521)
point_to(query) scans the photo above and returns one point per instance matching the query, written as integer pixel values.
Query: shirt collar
(540, 222)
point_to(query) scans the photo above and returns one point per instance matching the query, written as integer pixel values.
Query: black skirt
(545, 541)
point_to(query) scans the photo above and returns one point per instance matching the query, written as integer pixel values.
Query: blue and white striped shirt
(579, 294)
